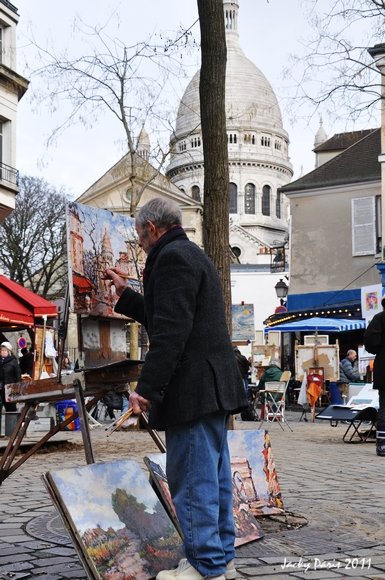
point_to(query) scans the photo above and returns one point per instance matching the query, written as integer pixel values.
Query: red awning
(81, 282)
(18, 305)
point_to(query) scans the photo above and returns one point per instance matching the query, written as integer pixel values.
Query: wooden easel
(92, 383)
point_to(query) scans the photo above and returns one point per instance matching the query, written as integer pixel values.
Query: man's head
(351, 355)
(154, 219)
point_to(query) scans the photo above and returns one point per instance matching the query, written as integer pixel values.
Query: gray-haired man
(189, 383)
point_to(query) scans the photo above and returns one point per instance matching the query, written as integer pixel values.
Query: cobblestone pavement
(339, 488)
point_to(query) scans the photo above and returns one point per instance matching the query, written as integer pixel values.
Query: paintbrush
(118, 422)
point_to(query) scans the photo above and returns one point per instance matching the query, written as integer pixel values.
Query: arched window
(278, 205)
(196, 193)
(266, 191)
(233, 198)
(236, 251)
(250, 198)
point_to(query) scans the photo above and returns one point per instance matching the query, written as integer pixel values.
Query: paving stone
(14, 575)
(54, 561)
(37, 545)
(58, 551)
(11, 558)
(20, 538)
(6, 549)
(15, 567)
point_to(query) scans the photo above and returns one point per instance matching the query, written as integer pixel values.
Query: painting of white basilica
(99, 239)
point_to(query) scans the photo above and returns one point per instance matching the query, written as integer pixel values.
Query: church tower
(257, 149)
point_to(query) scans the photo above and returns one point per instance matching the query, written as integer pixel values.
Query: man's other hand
(139, 404)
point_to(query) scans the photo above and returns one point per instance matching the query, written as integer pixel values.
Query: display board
(325, 356)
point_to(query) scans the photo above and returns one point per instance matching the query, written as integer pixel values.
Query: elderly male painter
(189, 383)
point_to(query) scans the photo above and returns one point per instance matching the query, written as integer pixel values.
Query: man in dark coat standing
(374, 340)
(189, 383)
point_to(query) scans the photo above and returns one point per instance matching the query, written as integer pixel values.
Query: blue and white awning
(320, 325)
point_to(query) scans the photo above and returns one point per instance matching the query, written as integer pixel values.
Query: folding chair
(274, 402)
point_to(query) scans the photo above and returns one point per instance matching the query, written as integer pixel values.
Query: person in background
(272, 373)
(26, 362)
(374, 340)
(348, 372)
(244, 365)
(67, 365)
(9, 372)
(189, 383)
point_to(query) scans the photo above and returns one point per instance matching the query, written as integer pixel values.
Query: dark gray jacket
(190, 369)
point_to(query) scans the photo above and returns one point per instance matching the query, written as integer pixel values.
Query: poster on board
(371, 297)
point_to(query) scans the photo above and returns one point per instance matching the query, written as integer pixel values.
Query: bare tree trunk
(213, 120)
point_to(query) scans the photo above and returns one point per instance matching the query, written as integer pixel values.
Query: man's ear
(151, 226)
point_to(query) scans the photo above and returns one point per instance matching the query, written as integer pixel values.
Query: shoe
(231, 572)
(186, 572)
(380, 441)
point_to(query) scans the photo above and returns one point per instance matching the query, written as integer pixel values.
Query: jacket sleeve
(176, 286)
(373, 335)
(131, 304)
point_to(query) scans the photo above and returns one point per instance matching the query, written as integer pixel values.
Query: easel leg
(154, 434)
(84, 425)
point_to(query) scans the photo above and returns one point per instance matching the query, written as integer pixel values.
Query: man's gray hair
(161, 212)
(351, 351)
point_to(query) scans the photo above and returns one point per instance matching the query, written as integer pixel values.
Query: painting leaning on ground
(115, 519)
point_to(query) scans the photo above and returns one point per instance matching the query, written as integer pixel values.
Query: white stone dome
(257, 149)
(250, 100)
(252, 109)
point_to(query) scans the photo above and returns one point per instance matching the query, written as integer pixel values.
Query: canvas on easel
(116, 521)
(247, 528)
(254, 470)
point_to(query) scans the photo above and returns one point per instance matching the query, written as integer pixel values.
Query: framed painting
(243, 322)
(247, 529)
(116, 521)
(254, 472)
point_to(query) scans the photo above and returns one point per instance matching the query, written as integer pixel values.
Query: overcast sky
(269, 32)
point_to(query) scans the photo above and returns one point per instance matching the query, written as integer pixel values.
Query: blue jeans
(199, 477)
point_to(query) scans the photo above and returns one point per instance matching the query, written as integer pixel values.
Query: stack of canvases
(122, 528)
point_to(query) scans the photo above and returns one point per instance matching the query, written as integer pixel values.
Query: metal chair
(275, 402)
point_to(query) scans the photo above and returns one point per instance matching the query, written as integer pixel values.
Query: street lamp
(377, 53)
(281, 289)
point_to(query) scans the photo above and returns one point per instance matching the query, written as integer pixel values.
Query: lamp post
(377, 53)
(281, 290)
